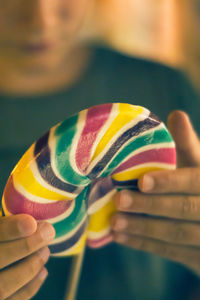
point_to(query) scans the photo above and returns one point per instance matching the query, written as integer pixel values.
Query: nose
(39, 15)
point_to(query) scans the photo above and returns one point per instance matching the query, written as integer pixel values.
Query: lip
(40, 47)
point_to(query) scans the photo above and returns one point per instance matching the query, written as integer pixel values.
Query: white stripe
(101, 202)
(69, 234)
(52, 147)
(147, 165)
(170, 145)
(36, 173)
(127, 126)
(79, 128)
(92, 235)
(30, 196)
(112, 117)
(124, 145)
(62, 216)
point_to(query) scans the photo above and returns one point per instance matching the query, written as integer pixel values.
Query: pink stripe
(163, 155)
(100, 242)
(16, 203)
(95, 120)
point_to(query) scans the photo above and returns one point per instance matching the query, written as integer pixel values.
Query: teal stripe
(64, 138)
(73, 220)
(155, 137)
(3, 214)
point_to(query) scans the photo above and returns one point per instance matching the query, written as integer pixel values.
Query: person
(190, 39)
(46, 74)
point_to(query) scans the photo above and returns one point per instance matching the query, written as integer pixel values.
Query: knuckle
(161, 249)
(148, 203)
(35, 264)
(163, 181)
(173, 254)
(6, 255)
(139, 243)
(190, 206)
(194, 176)
(2, 262)
(185, 206)
(194, 263)
(2, 293)
(31, 290)
(145, 227)
(32, 266)
(28, 245)
(38, 237)
(178, 233)
(25, 297)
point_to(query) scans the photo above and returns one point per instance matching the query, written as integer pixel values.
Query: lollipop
(69, 176)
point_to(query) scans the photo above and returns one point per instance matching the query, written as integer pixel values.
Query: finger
(18, 226)
(185, 137)
(188, 256)
(171, 231)
(186, 181)
(13, 251)
(171, 206)
(31, 289)
(18, 275)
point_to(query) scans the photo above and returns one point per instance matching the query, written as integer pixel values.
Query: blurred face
(39, 33)
(190, 31)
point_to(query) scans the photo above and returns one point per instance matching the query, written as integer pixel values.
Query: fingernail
(125, 200)
(148, 183)
(43, 274)
(26, 225)
(47, 232)
(44, 254)
(120, 223)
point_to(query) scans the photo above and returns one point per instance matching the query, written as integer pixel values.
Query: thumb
(186, 139)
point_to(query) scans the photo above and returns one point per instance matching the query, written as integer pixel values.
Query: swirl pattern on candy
(69, 176)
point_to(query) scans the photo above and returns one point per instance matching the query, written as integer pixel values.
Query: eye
(63, 13)
(197, 6)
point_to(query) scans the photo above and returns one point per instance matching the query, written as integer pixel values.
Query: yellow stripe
(6, 212)
(79, 246)
(125, 115)
(76, 249)
(23, 175)
(134, 173)
(101, 219)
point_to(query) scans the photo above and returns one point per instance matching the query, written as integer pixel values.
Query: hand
(23, 253)
(171, 200)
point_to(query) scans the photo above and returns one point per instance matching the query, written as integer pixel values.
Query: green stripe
(155, 137)
(73, 220)
(64, 135)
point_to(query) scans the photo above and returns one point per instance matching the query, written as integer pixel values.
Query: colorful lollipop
(69, 176)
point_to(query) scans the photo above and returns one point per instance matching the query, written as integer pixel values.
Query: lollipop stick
(75, 272)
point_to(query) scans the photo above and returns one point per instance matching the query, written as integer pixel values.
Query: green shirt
(114, 272)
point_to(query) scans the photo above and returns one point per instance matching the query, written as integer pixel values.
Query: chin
(39, 62)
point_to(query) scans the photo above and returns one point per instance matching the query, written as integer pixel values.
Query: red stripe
(16, 203)
(100, 242)
(163, 155)
(95, 120)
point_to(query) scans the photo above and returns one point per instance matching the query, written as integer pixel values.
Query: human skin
(40, 48)
(23, 253)
(25, 24)
(20, 261)
(171, 200)
(189, 16)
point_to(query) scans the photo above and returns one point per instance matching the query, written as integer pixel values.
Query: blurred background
(167, 31)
